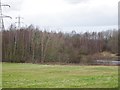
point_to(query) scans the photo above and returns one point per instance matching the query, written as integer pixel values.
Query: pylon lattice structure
(19, 21)
(3, 16)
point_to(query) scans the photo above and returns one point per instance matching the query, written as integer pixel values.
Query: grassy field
(58, 76)
(0, 75)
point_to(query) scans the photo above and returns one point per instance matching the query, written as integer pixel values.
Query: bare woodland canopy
(33, 45)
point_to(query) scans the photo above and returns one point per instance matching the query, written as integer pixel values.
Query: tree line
(32, 45)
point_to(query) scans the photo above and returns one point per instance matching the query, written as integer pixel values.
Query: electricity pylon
(19, 21)
(3, 16)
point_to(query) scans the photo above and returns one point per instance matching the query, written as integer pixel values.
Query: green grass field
(0, 75)
(58, 76)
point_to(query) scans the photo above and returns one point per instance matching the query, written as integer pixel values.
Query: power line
(19, 21)
(3, 16)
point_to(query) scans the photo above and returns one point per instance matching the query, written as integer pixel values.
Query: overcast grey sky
(63, 12)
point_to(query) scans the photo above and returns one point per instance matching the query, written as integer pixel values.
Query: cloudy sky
(64, 13)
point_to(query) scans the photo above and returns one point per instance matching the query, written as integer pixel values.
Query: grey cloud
(15, 4)
(76, 1)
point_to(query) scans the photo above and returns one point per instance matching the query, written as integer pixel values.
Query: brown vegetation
(33, 45)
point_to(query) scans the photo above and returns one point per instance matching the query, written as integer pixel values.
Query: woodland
(33, 45)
